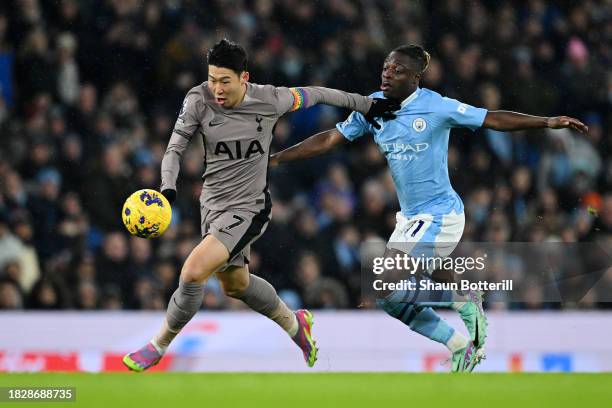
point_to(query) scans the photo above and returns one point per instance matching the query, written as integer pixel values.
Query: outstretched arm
(291, 99)
(507, 121)
(307, 96)
(313, 146)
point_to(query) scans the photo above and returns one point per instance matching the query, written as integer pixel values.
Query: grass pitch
(286, 390)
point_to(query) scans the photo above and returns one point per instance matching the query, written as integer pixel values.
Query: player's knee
(204, 260)
(234, 287)
(234, 281)
(189, 276)
(233, 292)
(193, 273)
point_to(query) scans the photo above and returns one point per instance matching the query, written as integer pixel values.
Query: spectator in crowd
(318, 291)
(10, 295)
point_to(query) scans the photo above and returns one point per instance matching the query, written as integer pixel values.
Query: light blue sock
(429, 324)
(423, 320)
(414, 309)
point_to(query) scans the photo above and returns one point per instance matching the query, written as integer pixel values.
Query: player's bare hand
(560, 122)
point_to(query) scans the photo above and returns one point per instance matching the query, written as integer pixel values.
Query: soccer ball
(146, 214)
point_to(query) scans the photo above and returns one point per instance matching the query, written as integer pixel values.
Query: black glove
(169, 194)
(382, 108)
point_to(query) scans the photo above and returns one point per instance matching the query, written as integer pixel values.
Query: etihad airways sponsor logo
(403, 151)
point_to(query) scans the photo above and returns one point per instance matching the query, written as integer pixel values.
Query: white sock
(456, 342)
(293, 328)
(161, 350)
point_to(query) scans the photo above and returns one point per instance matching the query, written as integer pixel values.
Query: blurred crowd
(89, 92)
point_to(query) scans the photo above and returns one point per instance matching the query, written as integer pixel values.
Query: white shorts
(427, 235)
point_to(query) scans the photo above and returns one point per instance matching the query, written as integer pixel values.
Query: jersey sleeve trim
(182, 133)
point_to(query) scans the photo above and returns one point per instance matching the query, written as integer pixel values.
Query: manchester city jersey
(415, 145)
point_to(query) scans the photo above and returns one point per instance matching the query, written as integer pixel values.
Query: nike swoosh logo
(211, 124)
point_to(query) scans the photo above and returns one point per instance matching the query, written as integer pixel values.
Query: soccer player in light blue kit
(414, 141)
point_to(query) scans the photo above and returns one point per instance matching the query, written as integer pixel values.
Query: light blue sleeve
(354, 126)
(458, 114)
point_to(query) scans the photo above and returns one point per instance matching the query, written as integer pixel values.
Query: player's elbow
(491, 121)
(328, 143)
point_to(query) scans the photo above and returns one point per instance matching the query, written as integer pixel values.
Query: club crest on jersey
(419, 124)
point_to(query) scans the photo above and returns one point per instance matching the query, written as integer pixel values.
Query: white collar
(411, 98)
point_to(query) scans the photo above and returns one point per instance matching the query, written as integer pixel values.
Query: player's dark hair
(417, 54)
(228, 54)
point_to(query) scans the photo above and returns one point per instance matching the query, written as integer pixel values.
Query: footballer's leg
(437, 236)
(470, 310)
(261, 296)
(237, 229)
(469, 306)
(425, 321)
(202, 262)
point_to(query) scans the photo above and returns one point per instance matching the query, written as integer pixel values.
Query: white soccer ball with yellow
(146, 214)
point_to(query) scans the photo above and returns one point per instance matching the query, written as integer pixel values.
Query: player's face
(226, 85)
(399, 78)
